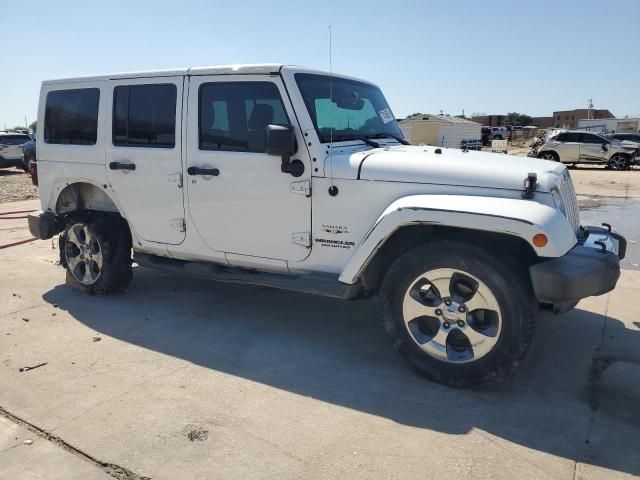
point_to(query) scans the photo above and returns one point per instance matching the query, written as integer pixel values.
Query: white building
(611, 125)
(442, 130)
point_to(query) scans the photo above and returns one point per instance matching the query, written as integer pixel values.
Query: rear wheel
(618, 162)
(97, 254)
(458, 314)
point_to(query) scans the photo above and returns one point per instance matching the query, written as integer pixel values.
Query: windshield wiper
(345, 137)
(390, 135)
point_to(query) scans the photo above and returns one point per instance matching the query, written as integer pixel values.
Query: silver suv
(10, 149)
(586, 147)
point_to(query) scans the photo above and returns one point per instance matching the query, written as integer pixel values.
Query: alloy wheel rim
(452, 315)
(83, 252)
(617, 162)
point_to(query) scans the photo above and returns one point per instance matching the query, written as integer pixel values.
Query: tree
(33, 125)
(515, 118)
(414, 115)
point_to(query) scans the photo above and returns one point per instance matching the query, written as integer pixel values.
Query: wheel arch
(79, 196)
(410, 236)
(496, 223)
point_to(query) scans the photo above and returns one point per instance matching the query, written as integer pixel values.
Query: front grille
(568, 194)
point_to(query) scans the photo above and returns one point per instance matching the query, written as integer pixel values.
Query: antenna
(331, 108)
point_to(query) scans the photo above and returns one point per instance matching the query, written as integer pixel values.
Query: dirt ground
(16, 185)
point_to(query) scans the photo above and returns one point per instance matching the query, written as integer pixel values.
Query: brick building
(570, 118)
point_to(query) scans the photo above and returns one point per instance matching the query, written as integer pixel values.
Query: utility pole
(589, 107)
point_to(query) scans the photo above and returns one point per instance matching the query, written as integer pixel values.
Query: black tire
(510, 287)
(113, 235)
(553, 156)
(618, 161)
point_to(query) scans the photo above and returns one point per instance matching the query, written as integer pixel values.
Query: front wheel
(553, 156)
(618, 162)
(457, 313)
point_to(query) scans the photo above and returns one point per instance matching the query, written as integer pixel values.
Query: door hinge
(301, 238)
(176, 178)
(301, 188)
(178, 224)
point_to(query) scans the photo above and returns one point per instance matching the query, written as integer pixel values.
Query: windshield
(344, 109)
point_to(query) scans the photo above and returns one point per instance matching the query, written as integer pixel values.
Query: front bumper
(586, 270)
(44, 225)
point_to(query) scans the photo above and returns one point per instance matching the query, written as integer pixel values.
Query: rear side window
(234, 116)
(71, 116)
(145, 116)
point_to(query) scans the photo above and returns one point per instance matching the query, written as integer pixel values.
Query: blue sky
(492, 57)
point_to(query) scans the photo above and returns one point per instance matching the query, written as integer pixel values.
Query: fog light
(540, 240)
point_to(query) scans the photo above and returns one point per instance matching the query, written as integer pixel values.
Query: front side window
(590, 138)
(71, 116)
(343, 109)
(145, 115)
(568, 137)
(234, 116)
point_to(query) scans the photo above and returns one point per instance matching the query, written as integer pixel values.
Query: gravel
(16, 185)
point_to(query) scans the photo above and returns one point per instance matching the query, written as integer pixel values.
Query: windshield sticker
(386, 115)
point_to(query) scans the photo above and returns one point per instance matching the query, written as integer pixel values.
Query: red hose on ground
(2, 217)
(18, 211)
(19, 242)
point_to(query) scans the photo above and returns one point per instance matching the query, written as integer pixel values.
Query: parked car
(216, 171)
(499, 133)
(576, 146)
(28, 155)
(486, 136)
(10, 151)
(629, 137)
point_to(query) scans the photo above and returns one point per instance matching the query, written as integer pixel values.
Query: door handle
(203, 171)
(122, 166)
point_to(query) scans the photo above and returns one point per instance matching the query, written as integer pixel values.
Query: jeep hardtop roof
(249, 69)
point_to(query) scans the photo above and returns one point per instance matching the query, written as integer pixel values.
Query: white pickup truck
(298, 179)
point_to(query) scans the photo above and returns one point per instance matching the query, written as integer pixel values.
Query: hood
(421, 164)
(629, 144)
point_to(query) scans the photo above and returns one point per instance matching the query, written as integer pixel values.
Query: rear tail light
(33, 170)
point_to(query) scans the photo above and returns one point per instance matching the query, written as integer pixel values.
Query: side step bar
(324, 285)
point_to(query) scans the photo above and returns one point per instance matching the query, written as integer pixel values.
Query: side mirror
(604, 147)
(281, 140)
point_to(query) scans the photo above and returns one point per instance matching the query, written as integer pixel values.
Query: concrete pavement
(181, 378)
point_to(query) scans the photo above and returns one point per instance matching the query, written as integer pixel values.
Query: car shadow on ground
(337, 352)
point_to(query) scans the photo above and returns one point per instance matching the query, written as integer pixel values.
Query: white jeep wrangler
(297, 179)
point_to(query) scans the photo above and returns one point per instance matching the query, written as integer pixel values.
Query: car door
(143, 155)
(568, 147)
(247, 206)
(593, 148)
